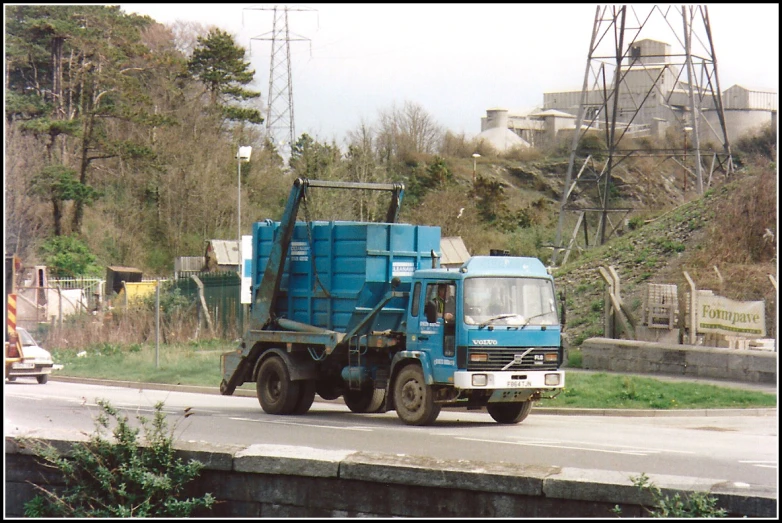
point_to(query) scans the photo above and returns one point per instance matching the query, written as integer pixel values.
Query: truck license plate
(23, 366)
(518, 384)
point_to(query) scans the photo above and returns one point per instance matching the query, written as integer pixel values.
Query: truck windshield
(509, 301)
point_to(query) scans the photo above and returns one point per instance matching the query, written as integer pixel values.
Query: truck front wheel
(277, 394)
(508, 413)
(366, 399)
(413, 398)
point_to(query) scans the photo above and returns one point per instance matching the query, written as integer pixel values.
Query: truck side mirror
(430, 311)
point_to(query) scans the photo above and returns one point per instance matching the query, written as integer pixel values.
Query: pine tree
(219, 64)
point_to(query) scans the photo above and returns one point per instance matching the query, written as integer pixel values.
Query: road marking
(360, 429)
(624, 452)
(761, 464)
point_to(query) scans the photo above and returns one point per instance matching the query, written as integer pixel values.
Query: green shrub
(68, 256)
(694, 505)
(120, 479)
(635, 223)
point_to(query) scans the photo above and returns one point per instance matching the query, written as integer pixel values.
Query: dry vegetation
(161, 164)
(725, 230)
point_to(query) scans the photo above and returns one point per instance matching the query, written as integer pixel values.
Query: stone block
(288, 459)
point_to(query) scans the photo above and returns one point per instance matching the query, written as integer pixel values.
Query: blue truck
(364, 311)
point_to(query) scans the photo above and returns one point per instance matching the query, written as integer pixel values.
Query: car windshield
(27, 340)
(509, 301)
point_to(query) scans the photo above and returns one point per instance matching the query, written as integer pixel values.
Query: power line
(280, 122)
(634, 83)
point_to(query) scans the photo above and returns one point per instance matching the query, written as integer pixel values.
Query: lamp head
(244, 153)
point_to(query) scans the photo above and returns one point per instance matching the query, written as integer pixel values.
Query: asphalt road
(732, 446)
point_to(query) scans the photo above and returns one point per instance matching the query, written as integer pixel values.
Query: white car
(35, 362)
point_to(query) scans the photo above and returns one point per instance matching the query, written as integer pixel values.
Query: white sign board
(247, 281)
(725, 316)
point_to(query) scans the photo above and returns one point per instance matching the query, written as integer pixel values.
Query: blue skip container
(350, 272)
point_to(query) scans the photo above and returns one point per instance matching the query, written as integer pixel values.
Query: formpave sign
(724, 316)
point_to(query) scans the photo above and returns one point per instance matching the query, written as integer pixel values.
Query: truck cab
(502, 343)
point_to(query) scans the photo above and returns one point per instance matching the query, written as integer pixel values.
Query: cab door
(433, 335)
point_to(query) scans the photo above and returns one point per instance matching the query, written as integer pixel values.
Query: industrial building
(653, 94)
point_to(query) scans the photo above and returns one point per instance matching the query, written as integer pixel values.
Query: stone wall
(284, 481)
(640, 357)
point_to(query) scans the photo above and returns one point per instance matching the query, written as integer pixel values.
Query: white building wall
(737, 122)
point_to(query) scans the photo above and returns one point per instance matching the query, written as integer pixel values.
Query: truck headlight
(551, 357)
(552, 379)
(479, 357)
(479, 380)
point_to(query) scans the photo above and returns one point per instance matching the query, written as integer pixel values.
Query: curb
(630, 413)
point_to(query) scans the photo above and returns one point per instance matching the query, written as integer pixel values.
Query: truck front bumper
(554, 379)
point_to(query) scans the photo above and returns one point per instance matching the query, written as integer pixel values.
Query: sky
(352, 61)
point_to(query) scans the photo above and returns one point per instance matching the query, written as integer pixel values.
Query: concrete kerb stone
(736, 498)
(618, 487)
(290, 460)
(460, 474)
(214, 457)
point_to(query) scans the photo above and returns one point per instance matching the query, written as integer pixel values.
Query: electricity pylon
(280, 123)
(638, 86)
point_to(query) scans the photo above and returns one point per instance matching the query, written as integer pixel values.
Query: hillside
(726, 230)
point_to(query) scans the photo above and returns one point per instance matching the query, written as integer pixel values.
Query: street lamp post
(686, 130)
(475, 157)
(242, 155)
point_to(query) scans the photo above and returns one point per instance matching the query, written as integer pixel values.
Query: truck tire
(365, 400)
(225, 390)
(306, 397)
(277, 394)
(42, 379)
(413, 398)
(507, 413)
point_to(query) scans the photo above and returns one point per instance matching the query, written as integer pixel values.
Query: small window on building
(635, 52)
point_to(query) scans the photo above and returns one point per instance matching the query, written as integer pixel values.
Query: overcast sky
(455, 60)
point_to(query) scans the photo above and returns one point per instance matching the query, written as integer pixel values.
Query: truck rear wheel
(508, 413)
(306, 397)
(413, 398)
(367, 399)
(277, 394)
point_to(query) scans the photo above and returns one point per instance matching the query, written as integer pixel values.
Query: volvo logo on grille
(517, 359)
(485, 342)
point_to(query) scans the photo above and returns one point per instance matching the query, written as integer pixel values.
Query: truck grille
(500, 357)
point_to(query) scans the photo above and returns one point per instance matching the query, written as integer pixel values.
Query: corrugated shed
(222, 254)
(453, 252)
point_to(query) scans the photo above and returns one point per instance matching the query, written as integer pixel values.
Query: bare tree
(407, 131)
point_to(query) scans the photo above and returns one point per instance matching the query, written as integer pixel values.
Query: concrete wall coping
(550, 482)
(676, 346)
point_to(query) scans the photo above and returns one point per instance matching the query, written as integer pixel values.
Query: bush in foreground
(694, 505)
(120, 478)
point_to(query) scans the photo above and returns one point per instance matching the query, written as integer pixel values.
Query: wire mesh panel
(661, 306)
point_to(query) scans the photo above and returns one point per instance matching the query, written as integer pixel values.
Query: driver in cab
(444, 304)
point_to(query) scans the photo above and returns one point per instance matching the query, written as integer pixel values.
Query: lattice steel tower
(280, 123)
(636, 86)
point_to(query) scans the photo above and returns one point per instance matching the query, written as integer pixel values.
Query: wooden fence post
(693, 307)
(203, 303)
